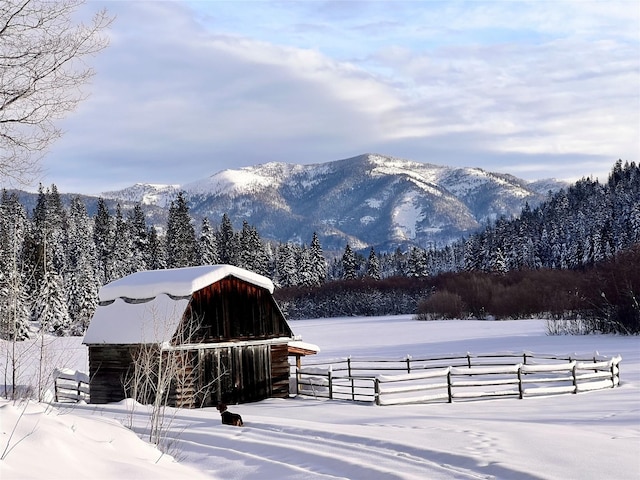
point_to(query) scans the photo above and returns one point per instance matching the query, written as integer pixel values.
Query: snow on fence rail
(445, 378)
(70, 385)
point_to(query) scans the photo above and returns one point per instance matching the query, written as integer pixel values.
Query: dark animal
(229, 418)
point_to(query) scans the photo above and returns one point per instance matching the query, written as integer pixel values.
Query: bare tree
(42, 68)
(161, 373)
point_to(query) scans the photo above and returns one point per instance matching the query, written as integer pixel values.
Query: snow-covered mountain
(146, 194)
(365, 200)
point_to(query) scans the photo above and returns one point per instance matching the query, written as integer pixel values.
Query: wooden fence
(71, 385)
(445, 378)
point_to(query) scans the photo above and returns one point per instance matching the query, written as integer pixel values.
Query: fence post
(376, 390)
(524, 358)
(349, 364)
(408, 363)
(575, 380)
(449, 392)
(520, 389)
(468, 359)
(329, 376)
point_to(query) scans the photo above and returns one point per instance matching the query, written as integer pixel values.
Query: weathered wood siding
(108, 367)
(233, 309)
(235, 374)
(280, 371)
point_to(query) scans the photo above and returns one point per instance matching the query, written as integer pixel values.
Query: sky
(186, 89)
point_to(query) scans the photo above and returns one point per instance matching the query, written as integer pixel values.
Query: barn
(189, 337)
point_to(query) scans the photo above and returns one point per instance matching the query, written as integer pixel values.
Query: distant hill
(365, 200)
(368, 200)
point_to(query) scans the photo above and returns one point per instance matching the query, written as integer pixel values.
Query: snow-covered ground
(593, 435)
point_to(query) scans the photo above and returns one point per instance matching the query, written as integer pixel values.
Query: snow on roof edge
(178, 282)
(155, 321)
(304, 345)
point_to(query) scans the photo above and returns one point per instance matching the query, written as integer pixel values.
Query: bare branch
(42, 71)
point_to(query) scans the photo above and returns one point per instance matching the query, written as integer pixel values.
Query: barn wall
(108, 367)
(205, 377)
(233, 374)
(280, 371)
(233, 309)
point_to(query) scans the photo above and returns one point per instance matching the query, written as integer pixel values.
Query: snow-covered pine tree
(318, 262)
(137, 227)
(180, 241)
(417, 264)
(228, 249)
(208, 244)
(50, 306)
(253, 255)
(286, 266)
(56, 228)
(373, 265)
(45, 260)
(14, 309)
(305, 272)
(80, 276)
(155, 251)
(103, 233)
(122, 249)
(349, 264)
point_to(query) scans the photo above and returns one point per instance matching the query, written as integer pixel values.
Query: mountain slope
(365, 200)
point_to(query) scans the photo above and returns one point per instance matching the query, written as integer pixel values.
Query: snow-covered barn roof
(179, 282)
(147, 306)
(120, 322)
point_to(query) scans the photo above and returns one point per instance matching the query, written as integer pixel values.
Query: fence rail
(71, 385)
(447, 378)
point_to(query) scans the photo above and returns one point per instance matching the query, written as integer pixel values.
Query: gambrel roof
(178, 282)
(147, 306)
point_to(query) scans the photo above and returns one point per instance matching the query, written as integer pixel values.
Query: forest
(573, 256)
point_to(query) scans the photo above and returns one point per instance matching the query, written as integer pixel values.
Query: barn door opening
(235, 374)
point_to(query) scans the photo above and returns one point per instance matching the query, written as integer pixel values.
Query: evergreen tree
(155, 252)
(373, 265)
(103, 234)
(318, 263)
(181, 245)
(227, 246)
(417, 263)
(349, 264)
(14, 307)
(208, 244)
(122, 249)
(50, 309)
(305, 271)
(253, 255)
(286, 266)
(80, 277)
(47, 232)
(137, 229)
(46, 254)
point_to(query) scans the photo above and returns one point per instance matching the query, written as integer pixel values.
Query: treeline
(366, 296)
(53, 260)
(602, 298)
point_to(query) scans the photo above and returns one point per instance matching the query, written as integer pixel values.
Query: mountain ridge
(367, 200)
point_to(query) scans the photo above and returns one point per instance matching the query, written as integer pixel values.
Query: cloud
(186, 90)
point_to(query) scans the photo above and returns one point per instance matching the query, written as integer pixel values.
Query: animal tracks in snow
(304, 452)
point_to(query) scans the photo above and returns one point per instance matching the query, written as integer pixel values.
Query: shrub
(441, 305)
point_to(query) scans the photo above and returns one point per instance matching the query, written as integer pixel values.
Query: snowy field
(593, 435)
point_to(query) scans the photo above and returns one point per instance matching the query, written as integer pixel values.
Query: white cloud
(184, 92)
